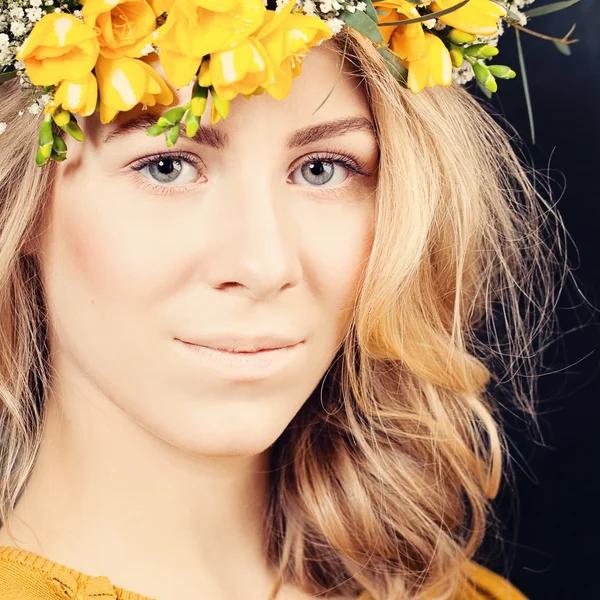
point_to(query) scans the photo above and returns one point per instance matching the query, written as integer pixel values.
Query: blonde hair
(384, 479)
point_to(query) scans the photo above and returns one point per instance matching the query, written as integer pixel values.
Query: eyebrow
(209, 136)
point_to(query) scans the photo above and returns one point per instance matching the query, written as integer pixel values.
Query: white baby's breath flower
(463, 74)
(19, 65)
(335, 25)
(17, 28)
(44, 99)
(4, 40)
(430, 23)
(35, 109)
(34, 14)
(439, 25)
(77, 14)
(3, 127)
(362, 6)
(309, 8)
(16, 12)
(35, 3)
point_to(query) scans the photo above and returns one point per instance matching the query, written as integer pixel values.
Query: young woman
(256, 364)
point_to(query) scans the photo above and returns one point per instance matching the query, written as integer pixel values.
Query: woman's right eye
(168, 170)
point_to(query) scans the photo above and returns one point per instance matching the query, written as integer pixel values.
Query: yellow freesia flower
(434, 67)
(124, 82)
(239, 70)
(59, 47)
(76, 96)
(407, 41)
(125, 26)
(477, 16)
(161, 6)
(196, 28)
(287, 38)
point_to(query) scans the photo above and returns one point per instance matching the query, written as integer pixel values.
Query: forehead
(321, 93)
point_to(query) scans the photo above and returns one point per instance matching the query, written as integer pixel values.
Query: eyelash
(350, 161)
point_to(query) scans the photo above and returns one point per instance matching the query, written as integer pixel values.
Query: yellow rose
(125, 82)
(196, 28)
(125, 26)
(76, 96)
(287, 38)
(407, 41)
(239, 70)
(434, 67)
(477, 16)
(59, 47)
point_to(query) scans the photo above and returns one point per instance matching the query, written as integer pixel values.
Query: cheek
(99, 264)
(340, 250)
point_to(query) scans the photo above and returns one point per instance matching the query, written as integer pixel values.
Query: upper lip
(237, 343)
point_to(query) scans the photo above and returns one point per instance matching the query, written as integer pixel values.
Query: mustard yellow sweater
(28, 576)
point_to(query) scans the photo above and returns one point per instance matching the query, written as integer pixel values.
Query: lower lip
(243, 365)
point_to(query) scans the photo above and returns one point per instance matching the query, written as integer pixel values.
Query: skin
(153, 467)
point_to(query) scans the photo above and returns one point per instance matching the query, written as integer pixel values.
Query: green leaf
(8, 75)
(525, 86)
(549, 8)
(397, 69)
(563, 48)
(370, 11)
(433, 15)
(363, 24)
(486, 92)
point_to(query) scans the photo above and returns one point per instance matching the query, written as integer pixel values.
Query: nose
(255, 239)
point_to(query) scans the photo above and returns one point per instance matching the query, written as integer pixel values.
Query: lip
(242, 366)
(239, 344)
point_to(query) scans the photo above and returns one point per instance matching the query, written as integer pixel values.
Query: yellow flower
(477, 16)
(161, 6)
(239, 70)
(76, 96)
(59, 47)
(125, 26)
(287, 38)
(434, 67)
(124, 82)
(196, 28)
(407, 41)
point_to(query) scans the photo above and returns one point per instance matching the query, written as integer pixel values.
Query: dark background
(551, 548)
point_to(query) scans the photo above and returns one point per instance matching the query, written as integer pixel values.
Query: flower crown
(83, 56)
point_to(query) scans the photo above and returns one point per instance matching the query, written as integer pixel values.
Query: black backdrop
(552, 531)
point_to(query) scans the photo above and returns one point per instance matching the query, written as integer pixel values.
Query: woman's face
(260, 226)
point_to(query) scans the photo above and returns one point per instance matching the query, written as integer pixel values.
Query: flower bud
(192, 123)
(199, 96)
(483, 75)
(461, 37)
(73, 129)
(155, 130)
(45, 138)
(59, 148)
(172, 117)
(220, 107)
(457, 57)
(481, 51)
(502, 71)
(40, 159)
(61, 116)
(172, 135)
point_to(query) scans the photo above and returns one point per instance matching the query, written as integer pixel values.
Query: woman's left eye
(323, 172)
